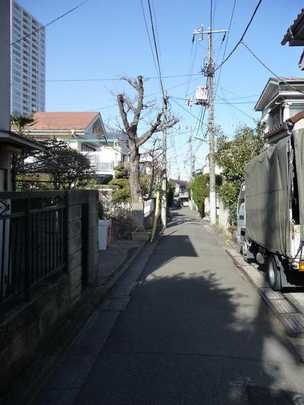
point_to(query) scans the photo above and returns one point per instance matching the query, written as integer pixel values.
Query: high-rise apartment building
(27, 62)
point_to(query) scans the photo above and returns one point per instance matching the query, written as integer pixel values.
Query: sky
(107, 40)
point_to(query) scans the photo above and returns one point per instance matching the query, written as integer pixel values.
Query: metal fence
(32, 241)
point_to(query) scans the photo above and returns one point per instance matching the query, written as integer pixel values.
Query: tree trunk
(135, 188)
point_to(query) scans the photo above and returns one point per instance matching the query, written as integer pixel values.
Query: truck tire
(274, 274)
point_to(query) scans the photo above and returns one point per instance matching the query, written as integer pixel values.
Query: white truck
(271, 210)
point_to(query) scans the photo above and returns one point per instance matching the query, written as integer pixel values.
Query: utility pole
(192, 157)
(208, 71)
(164, 170)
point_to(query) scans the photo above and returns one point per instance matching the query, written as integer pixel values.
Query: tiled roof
(288, 79)
(62, 120)
(295, 31)
(272, 88)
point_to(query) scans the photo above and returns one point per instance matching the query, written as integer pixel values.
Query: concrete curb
(121, 270)
(27, 387)
(286, 311)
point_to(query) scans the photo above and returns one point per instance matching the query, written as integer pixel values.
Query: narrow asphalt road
(193, 332)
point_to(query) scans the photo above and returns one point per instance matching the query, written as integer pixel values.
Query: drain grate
(283, 307)
(294, 324)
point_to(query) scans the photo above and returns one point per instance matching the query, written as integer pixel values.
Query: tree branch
(154, 128)
(129, 104)
(123, 114)
(157, 126)
(132, 82)
(140, 101)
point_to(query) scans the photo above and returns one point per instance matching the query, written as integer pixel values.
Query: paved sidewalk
(113, 263)
(71, 373)
(113, 258)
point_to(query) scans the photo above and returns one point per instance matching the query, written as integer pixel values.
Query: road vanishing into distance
(186, 328)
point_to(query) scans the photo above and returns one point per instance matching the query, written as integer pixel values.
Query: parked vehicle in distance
(271, 211)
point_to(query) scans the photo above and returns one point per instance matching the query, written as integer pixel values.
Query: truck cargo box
(267, 199)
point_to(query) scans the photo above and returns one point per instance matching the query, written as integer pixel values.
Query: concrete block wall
(82, 212)
(74, 245)
(92, 238)
(27, 324)
(24, 327)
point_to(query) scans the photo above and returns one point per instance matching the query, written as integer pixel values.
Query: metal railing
(32, 241)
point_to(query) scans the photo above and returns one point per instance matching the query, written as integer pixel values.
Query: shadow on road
(187, 338)
(178, 217)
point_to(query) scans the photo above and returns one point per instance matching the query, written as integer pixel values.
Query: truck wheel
(274, 274)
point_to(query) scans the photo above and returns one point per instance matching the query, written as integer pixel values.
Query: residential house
(280, 100)
(82, 131)
(85, 132)
(114, 151)
(295, 35)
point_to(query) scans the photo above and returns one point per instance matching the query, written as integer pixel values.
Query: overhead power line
(241, 38)
(226, 45)
(238, 109)
(103, 79)
(148, 33)
(147, 96)
(193, 58)
(51, 22)
(201, 123)
(156, 49)
(184, 109)
(270, 70)
(233, 101)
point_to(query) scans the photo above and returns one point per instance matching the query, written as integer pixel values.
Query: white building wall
(223, 215)
(27, 62)
(5, 64)
(105, 159)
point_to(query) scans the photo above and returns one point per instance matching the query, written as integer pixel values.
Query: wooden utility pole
(210, 74)
(164, 169)
(192, 157)
(208, 71)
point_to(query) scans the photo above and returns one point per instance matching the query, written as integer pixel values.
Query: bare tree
(155, 155)
(136, 140)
